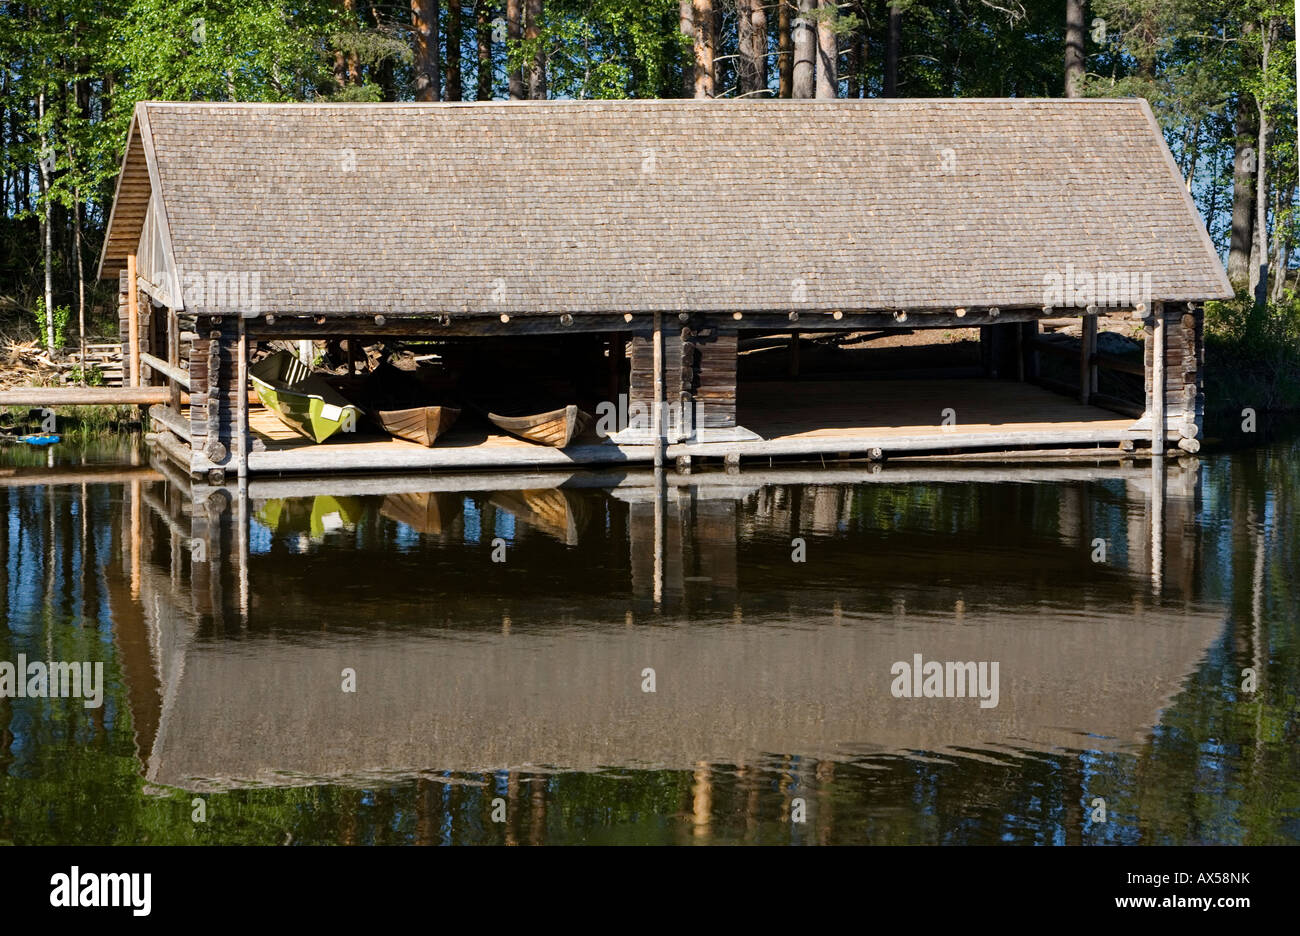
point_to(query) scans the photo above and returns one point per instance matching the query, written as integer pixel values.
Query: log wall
(213, 389)
(1184, 372)
(699, 367)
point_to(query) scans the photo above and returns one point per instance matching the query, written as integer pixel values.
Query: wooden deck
(791, 419)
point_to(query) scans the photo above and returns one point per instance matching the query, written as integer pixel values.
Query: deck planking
(791, 418)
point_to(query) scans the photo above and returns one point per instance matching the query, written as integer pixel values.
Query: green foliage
(62, 314)
(1253, 354)
(91, 376)
(607, 48)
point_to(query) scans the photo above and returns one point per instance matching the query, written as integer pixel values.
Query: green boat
(303, 400)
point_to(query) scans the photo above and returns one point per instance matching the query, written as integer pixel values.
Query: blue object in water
(39, 439)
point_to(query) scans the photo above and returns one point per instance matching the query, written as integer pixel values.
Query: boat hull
(556, 428)
(421, 424)
(303, 401)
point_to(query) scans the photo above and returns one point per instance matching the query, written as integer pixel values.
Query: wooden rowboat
(555, 428)
(303, 400)
(422, 424)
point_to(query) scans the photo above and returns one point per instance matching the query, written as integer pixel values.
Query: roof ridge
(638, 102)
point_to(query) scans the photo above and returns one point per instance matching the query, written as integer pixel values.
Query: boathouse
(632, 248)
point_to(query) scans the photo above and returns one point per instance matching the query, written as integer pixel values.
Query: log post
(174, 356)
(241, 403)
(133, 320)
(1087, 347)
(1092, 356)
(1158, 380)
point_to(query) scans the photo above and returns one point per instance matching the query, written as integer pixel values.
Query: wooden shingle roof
(615, 206)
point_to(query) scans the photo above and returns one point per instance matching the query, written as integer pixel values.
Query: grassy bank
(1252, 356)
(73, 422)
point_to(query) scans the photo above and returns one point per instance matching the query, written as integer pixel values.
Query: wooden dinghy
(556, 428)
(422, 424)
(302, 400)
(398, 402)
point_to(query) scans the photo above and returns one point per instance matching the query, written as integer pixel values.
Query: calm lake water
(507, 701)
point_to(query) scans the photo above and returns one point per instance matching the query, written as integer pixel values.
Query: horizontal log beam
(84, 396)
(170, 420)
(173, 448)
(464, 325)
(170, 371)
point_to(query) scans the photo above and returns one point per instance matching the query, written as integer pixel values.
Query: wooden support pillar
(1158, 380)
(174, 357)
(241, 402)
(1092, 355)
(214, 449)
(617, 361)
(1087, 349)
(132, 321)
(794, 354)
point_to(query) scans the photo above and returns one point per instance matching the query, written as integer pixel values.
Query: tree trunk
(536, 74)
(47, 234)
(1243, 188)
(1193, 148)
(81, 278)
(483, 31)
(758, 36)
(347, 68)
(1259, 251)
(1281, 242)
(747, 70)
(514, 32)
(1074, 51)
(704, 48)
(857, 63)
(784, 51)
(454, 35)
(802, 30)
(1259, 265)
(383, 72)
(893, 46)
(686, 23)
(828, 52)
(424, 36)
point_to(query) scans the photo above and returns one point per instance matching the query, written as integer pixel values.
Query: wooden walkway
(791, 419)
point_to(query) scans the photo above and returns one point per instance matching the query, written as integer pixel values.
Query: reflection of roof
(271, 710)
(620, 206)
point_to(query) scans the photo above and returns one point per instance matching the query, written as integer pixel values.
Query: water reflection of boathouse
(460, 675)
